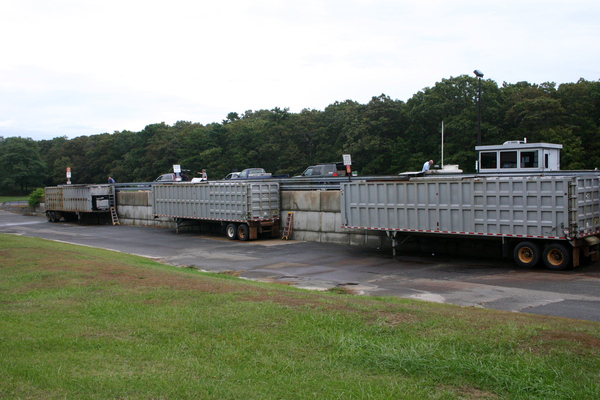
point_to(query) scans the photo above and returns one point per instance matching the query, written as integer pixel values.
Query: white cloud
(75, 67)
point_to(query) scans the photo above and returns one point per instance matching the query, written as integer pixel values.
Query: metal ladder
(114, 217)
(113, 212)
(287, 229)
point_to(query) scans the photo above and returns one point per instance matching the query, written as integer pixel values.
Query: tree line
(384, 136)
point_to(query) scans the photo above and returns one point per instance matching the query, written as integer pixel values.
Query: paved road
(489, 283)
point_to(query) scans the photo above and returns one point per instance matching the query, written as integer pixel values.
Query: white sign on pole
(176, 168)
(347, 159)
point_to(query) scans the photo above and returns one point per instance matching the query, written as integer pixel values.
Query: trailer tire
(243, 232)
(526, 254)
(556, 257)
(231, 231)
(52, 216)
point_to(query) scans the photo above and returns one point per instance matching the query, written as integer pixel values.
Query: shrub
(35, 197)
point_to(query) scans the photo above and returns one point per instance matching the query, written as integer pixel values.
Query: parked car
(167, 178)
(324, 170)
(252, 173)
(231, 175)
(307, 172)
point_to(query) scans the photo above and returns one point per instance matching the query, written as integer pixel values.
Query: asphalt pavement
(466, 281)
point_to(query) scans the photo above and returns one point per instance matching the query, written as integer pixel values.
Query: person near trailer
(111, 180)
(427, 166)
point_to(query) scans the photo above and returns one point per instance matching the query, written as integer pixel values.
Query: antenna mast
(442, 144)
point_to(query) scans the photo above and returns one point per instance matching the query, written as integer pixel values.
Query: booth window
(529, 159)
(488, 160)
(508, 159)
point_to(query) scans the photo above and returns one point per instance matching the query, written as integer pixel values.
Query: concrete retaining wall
(135, 208)
(317, 217)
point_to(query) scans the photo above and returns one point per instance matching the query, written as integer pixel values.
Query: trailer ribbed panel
(219, 201)
(495, 206)
(75, 198)
(588, 210)
(53, 198)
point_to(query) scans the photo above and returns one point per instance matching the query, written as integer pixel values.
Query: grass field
(78, 322)
(13, 198)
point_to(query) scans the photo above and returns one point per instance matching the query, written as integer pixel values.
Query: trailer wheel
(231, 231)
(243, 232)
(526, 254)
(49, 216)
(557, 257)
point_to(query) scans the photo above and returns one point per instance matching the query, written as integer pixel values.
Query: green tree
(384, 136)
(455, 102)
(21, 163)
(581, 102)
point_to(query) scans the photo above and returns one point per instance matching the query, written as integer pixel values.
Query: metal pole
(442, 144)
(479, 115)
(479, 75)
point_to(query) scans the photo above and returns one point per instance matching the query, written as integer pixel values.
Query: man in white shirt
(426, 166)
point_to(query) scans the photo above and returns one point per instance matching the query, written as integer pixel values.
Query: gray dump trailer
(554, 219)
(243, 209)
(74, 202)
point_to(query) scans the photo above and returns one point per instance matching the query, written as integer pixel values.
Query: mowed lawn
(84, 323)
(13, 198)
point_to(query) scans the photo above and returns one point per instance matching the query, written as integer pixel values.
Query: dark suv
(324, 170)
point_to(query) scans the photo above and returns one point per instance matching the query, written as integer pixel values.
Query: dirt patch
(232, 273)
(576, 341)
(291, 300)
(7, 256)
(394, 318)
(471, 393)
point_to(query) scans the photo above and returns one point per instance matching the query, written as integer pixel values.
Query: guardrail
(333, 183)
(286, 184)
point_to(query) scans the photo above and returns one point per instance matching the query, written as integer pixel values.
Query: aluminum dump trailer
(549, 218)
(72, 202)
(244, 209)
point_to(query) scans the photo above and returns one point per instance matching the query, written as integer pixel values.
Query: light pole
(479, 75)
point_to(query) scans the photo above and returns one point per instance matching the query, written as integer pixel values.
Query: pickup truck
(252, 173)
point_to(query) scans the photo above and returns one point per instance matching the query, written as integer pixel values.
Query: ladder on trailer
(112, 203)
(114, 217)
(287, 229)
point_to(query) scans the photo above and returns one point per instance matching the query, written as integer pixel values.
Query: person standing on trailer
(427, 166)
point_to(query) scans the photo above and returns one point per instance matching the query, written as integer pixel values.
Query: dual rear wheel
(52, 216)
(555, 256)
(238, 231)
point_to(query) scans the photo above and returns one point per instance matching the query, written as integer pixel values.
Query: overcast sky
(82, 67)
